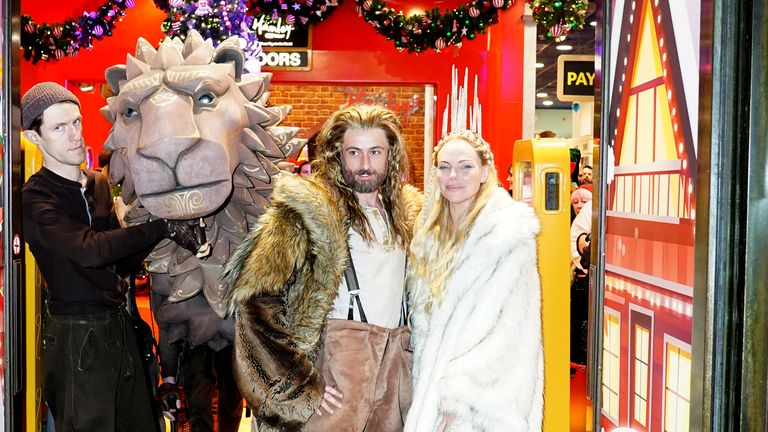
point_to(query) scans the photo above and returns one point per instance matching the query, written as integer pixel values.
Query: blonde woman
(475, 298)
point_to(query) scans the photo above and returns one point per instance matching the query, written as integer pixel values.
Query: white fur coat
(479, 353)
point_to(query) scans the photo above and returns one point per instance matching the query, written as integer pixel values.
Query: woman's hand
(445, 424)
(331, 398)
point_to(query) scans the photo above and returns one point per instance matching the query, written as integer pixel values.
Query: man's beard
(366, 186)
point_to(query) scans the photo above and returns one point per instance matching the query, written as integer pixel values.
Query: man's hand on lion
(190, 235)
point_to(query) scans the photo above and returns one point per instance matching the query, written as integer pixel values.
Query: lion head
(192, 137)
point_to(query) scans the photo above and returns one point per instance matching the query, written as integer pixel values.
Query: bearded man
(318, 286)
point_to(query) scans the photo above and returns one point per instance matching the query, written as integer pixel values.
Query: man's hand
(169, 400)
(190, 235)
(331, 397)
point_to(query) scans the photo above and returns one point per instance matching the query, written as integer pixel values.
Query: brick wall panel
(313, 104)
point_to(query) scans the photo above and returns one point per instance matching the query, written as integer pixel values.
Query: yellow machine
(33, 397)
(541, 173)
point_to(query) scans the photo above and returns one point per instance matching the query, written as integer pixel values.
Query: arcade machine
(541, 178)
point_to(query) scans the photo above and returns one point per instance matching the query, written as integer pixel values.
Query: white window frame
(608, 415)
(683, 346)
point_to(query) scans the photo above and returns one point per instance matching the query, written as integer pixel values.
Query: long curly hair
(434, 248)
(330, 167)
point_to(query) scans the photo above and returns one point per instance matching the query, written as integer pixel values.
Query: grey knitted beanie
(40, 97)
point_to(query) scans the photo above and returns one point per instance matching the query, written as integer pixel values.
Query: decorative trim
(651, 280)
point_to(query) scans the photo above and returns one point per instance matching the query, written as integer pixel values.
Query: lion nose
(166, 140)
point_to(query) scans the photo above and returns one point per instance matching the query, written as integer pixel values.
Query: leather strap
(350, 275)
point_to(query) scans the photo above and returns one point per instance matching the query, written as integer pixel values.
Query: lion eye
(206, 99)
(130, 113)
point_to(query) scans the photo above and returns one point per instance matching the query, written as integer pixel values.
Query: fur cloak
(284, 278)
(479, 354)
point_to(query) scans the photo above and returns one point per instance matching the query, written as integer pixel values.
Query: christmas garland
(293, 11)
(54, 41)
(215, 20)
(432, 29)
(558, 17)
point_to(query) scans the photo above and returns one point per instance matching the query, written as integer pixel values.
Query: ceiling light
(547, 103)
(593, 23)
(541, 94)
(563, 47)
(539, 65)
(86, 87)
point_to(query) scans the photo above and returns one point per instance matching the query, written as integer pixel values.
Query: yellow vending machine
(541, 177)
(33, 411)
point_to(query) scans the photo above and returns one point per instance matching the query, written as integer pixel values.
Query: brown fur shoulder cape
(284, 278)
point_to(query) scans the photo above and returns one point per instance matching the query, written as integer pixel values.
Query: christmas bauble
(473, 12)
(439, 44)
(557, 30)
(498, 3)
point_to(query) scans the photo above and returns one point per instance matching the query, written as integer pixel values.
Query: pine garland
(51, 42)
(432, 29)
(558, 17)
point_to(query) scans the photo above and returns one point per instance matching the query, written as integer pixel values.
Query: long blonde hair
(434, 248)
(330, 166)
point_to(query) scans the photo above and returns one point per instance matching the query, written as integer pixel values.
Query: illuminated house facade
(650, 217)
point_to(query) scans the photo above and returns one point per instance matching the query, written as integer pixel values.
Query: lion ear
(114, 75)
(228, 53)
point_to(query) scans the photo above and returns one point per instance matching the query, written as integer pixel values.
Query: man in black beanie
(92, 371)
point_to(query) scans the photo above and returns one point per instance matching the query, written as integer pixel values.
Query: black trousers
(209, 370)
(93, 378)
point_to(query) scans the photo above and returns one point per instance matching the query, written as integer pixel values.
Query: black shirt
(77, 241)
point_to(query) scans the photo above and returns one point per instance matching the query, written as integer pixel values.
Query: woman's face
(460, 172)
(578, 203)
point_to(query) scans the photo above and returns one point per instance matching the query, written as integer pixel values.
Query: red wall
(346, 49)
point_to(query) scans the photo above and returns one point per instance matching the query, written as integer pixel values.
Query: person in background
(586, 175)
(579, 198)
(93, 376)
(581, 228)
(511, 179)
(473, 282)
